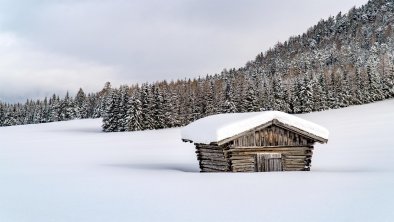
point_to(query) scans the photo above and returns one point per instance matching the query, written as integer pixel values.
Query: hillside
(341, 61)
(71, 171)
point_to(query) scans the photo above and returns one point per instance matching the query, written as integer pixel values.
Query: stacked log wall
(239, 154)
(296, 150)
(242, 159)
(212, 158)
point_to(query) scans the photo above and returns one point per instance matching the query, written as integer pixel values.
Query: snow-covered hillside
(71, 171)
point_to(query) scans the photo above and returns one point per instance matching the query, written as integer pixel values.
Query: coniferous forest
(341, 61)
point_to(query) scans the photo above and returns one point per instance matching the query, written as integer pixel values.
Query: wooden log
(215, 163)
(297, 157)
(243, 169)
(294, 166)
(243, 163)
(271, 147)
(294, 160)
(209, 150)
(211, 147)
(207, 170)
(250, 153)
(241, 157)
(293, 169)
(250, 161)
(215, 167)
(213, 159)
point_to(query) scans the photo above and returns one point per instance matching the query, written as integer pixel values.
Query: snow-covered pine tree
(344, 95)
(287, 98)
(374, 80)
(278, 96)
(306, 95)
(68, 108)
(134, 115)
(81, 107)
(333, 92)
(228, 105)
(296, 91)
(2, 113)
(122, 124)
(102, 101)
(147, 107)
(158, 112)
(251, 100)
(359, 88)
(111, 114)
(209, 106)
(388, 83)
(11, 117)
(55, 109)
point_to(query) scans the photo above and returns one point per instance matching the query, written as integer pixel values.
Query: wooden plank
(214, 167)
(210, 156)
(214, 163)
(234, 162)
(299, 131)
(210, 150)
(209, 146)
(212, 159)
(244, 133)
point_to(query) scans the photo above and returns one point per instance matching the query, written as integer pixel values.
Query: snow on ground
(71, 171)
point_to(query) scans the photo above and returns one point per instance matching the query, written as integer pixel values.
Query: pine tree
(228, 105)
(158, 111)
(296, 91)
(388, 84)
(359, 92)
(333, 93)
(147, 107)
(306, 95)
(122, 123)
(374, 81)
(55, 109)
(81, 104)
(2, 114)
(278, 96)
(111, 114)
(67, 107)
(134, 115)
(251, 100)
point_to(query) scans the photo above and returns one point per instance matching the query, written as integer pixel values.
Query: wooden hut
(254, 142)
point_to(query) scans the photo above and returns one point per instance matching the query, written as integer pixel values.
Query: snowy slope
(70, 171)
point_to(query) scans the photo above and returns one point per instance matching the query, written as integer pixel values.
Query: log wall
(212, 158)
(243, 159)
(239, 155)
(271, 136)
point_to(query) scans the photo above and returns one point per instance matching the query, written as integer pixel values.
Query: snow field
(71, 171)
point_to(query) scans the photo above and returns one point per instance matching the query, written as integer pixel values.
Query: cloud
(29, 72)
(88, 42)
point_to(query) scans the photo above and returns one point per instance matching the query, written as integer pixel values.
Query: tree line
(344, 60)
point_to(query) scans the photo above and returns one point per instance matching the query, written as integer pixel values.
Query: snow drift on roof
(222, 126)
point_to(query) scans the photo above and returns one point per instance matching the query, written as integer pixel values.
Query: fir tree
(306, 96)
(111, 114)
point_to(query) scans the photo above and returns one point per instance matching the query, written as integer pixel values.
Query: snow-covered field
(71, 171)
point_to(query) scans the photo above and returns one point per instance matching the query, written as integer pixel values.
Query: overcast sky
(51, 46)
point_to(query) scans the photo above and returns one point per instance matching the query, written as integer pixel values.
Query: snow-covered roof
(218, 127)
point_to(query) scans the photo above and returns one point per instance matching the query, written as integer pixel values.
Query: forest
(341, 61)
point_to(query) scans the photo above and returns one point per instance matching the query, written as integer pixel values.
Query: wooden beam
(224, 141)
(299, 131)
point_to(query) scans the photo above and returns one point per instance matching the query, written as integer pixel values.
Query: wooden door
(266, 162)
